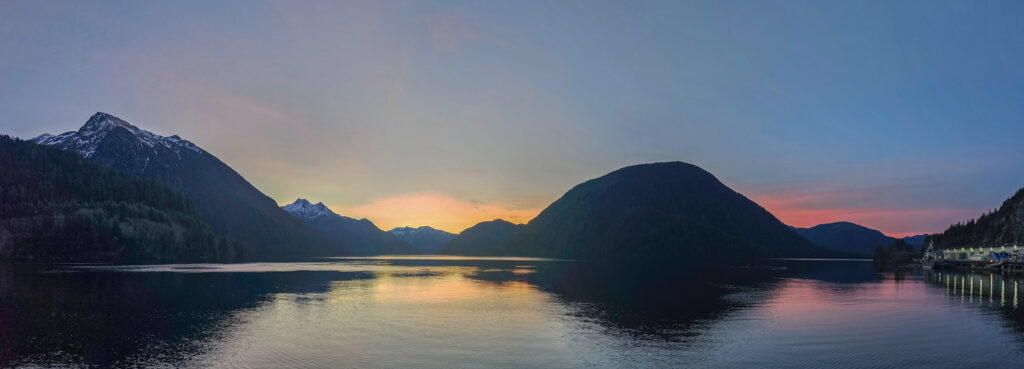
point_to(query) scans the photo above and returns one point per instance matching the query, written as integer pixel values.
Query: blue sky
(899, 115)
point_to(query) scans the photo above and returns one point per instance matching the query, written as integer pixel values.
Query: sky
(903, 116)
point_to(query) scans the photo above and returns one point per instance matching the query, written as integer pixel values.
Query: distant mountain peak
(102, 121)
(841, 223)
(87, 139)
(484, 238)
(426, 239)
(845, 237)
(304, 209)
(405, 230)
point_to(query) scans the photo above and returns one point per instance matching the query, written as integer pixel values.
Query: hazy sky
(901, 116)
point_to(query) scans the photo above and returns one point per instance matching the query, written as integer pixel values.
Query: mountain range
(425, 240)
(230, 204)
(354, 237)
(659, 211)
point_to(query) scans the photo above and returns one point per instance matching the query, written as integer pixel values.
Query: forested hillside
(1002, 226)
(58, 206)
(233, 207)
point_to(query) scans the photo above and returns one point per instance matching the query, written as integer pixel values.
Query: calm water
(460, 312)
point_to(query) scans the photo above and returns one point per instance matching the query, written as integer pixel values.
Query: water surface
(457, 312)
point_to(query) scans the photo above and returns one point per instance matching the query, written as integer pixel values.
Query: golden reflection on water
(450, 285)
(966, 289)
(981, 288)
(410, 313)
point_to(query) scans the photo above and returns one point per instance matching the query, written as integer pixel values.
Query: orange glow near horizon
(436, 210)
(455, 215)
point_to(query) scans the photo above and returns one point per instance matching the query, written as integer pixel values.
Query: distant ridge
(670, 212)
(355, 237)
(425, 239)
(845, 237)
(483, 239)
(231, 205)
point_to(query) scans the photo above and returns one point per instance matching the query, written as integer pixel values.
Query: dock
(1003, 258)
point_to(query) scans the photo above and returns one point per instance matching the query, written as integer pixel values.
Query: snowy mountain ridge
(304, 209)
(402, 231)
(427, 240)
(87, 139)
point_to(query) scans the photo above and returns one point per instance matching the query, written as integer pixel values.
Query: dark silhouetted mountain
(845, 237)
(673, 212)
(58, 206)
(425, 239)
(356, 237)
(482, 239)
(1000, 227)
(232, 206)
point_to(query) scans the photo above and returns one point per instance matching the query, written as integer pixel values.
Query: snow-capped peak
(302, 208)
(87, 139)
(102, 121)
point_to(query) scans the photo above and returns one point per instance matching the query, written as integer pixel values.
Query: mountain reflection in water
(440, 312)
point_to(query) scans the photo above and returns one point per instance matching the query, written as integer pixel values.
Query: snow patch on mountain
(304, 209)
(401, 231)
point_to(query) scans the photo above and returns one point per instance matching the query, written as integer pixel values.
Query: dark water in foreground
(459, 312)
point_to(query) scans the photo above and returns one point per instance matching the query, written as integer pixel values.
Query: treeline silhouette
(57, 206)
(999, 227)
(897, 252)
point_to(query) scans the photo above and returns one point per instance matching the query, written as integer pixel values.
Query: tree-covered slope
(1002, 226)
(57, 206)
(232, 206)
